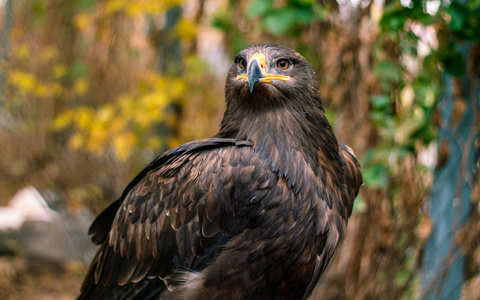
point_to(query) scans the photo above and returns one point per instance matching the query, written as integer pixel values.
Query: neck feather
(284, 136)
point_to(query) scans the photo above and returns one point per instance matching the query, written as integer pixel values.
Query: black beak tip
(250, 86)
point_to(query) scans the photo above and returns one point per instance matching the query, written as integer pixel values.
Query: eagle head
(269, 73)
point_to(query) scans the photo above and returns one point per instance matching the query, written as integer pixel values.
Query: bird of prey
(255, 212)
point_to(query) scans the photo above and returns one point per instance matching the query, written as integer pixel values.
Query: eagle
(254, 212)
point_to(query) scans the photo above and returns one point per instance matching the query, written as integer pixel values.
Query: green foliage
(39, 12)
(258, 8)
(403, 113)
(396, 16)
(224, 21)
(286, 18)
(389, 73)
(279, 21)
(452, 60)
(394, 19)
(464, 20)
(375, 175)
(79, 70)
(86, 4)
(381, 111)
(460, 22)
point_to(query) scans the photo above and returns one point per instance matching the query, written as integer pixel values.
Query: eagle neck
(289, 139)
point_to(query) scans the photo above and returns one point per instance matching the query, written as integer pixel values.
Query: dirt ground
(22, 279)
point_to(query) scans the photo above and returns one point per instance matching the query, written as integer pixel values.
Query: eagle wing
(180, 212)
(334, 207)
(176, 214)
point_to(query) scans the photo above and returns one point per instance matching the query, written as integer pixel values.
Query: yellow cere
(262, 61)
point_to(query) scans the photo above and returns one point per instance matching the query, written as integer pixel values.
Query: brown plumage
(255, 212)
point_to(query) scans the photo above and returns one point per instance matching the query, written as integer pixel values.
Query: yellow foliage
(126, 103)
(59, 71)
(48, 90)
(186, 30)
(24, 81)
(98, 138)
(154, 101)
(84, 118)
(23, 52)
(76, 141)
(124, 144)
(174, 142)
(82, 20)
(154, 142)
(140, 6)
(28, 83)
(63, 120)
(80, 86)
(113, 6)
(105, 114)
(42, 91)
(136, 8)
(119, 126)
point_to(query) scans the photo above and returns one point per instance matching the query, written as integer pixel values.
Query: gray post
(452, 187)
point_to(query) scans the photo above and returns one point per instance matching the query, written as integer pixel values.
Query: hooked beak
(256, 72)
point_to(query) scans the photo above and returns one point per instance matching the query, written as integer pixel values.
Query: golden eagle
(255, 212)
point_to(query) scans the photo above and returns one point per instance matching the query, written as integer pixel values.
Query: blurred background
(91, 91)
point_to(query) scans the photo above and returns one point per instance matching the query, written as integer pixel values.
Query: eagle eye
(241, 63)
(283, 64)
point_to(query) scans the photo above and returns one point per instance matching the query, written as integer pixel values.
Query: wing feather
(178, 208)
(334, 205)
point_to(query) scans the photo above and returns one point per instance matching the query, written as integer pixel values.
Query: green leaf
(87, 4)
(359, 204)
(394, 20)
(319, 12)
(375, 176)
(380, 102)
(388, 70)
(305, 2)
(405, 129)
(422, 89)
(368, 157)
(303, 15)
(257, 8)
(330, 115)
(401, 277)
(474, 4)
(279, 21)
(221, 21)
(459, 15)
(79, 70)
(453, 61)
(239, 43)
(39, 11)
